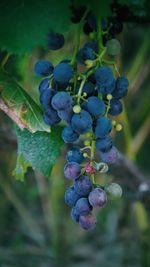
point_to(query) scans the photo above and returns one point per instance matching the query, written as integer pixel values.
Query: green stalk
(78, 34)
(80, 90)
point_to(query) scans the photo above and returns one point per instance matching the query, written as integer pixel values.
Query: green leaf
(25, 24)
(40, 149)
(20, 106)
(21, 167)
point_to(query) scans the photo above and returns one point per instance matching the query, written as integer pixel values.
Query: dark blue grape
(63, 73)
(103, 127)
(69, 136)
(71, 197)
(105, 80)
(72, 170)
(44, 85)
(50, 116)
(115, 107)
(87, 29)
(66, 114)
(83, 206)
(121, 88)
(83, 185)
(111, 156)
(55, 40)
(74, 215)
(104, 144)
(77, 13)
(43, 68)
(94, 106)
(87, 222)
(46, 97)
(88, 88)
(92, 21)
(61, 101)
(117, 26)
(88, 51)
(75, 155)
(97, 198)
(81, 122)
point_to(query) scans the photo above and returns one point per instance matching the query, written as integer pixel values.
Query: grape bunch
(85, 103)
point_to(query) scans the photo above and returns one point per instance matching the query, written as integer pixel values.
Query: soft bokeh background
(35, 225)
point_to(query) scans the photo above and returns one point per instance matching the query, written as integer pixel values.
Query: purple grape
(72, 170)
(83, 206)
(111, 156)
(87, 222)
(83, 185)
(71, 197)
(68, 135)
(97, 198)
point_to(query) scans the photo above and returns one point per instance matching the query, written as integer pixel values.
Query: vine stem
(93, 145)
(78, 34)
(5, 59)
(80, 90)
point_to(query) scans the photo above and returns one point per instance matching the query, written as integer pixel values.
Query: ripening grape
(97, 198)
(87, 222)
(83, 185)
(83, 206)
(72, 170)
(71, 197)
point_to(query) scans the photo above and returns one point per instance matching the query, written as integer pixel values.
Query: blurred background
(35, 225)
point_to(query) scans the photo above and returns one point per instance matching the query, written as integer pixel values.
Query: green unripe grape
(109, 97)
(114, 190)
(76, 109)
(118, 127)
(114, 123)
(84, 94)
(113, 47)
(85, 155)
